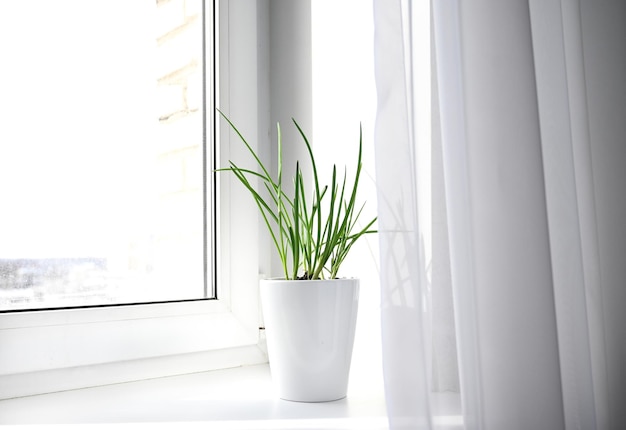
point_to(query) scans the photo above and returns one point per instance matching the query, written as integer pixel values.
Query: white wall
(344, 96)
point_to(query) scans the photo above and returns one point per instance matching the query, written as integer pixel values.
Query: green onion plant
(313, 235)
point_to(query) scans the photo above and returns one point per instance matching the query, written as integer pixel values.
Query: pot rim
(282, 280)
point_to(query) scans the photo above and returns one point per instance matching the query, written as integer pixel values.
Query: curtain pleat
(449, 67)
(402, 266)
(558, 54)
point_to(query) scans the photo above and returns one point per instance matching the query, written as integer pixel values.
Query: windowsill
(232, 399)
(240, 398)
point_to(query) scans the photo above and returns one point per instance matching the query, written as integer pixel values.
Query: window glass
(101, 153)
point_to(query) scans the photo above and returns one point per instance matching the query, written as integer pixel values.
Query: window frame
(52, 350)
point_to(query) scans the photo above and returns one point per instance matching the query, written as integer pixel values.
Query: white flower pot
(310, 328)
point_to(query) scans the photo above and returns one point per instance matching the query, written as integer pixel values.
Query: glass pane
(101, 152)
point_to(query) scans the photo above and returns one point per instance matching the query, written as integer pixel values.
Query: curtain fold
(451, 114)
(402, 266)
(519, 106)
(562, 106)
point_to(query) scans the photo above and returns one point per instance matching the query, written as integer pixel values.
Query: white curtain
(527, 209)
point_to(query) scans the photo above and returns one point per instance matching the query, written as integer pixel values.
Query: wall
(344, 97)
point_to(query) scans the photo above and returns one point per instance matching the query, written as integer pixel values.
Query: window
(56, 349)
(102, 162)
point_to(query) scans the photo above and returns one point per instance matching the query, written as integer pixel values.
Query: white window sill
(231, 399)
(240, 398)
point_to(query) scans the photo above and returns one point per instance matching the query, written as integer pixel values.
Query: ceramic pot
(310, 328)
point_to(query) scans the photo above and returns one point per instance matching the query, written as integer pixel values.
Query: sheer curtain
(528, 115)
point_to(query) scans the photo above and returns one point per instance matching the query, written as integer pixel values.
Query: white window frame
(54, 350)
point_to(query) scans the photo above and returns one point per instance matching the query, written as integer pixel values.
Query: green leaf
(315, 238)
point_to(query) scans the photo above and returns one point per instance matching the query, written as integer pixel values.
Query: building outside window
(104, 153)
